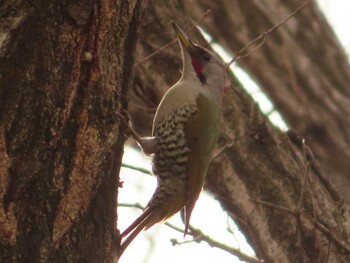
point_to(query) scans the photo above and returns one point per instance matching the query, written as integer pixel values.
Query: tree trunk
(268, 182)
(64, 71)
(302, 67)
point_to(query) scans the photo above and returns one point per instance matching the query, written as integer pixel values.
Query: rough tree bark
(64, 71)
(303, 219)
(302, 67)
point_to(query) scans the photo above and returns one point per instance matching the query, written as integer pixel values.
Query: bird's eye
(206, 57)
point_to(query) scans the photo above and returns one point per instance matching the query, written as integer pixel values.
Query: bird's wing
(201, 135)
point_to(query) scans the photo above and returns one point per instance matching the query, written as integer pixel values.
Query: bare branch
(332, 236)
(328, 250)
(207, 13)
(199, 236)
(343, 244)
(261, 38)
(139, 169)
(223, 149)
(298, 141)
(302, 193)
(278, 207)
(135, 205)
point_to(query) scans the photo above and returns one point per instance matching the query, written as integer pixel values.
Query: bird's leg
(148, 144)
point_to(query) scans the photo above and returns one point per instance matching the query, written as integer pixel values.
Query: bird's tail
(161, 206)
(148, 218)
(187, 211)
(143, 221)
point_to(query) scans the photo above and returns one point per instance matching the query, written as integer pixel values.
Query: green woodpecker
(185, 130)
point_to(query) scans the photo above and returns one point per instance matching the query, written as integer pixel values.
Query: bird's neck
(215, 84)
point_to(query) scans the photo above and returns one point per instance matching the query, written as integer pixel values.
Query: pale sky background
(153, 245)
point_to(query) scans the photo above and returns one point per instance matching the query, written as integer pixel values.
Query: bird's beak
(184, 39)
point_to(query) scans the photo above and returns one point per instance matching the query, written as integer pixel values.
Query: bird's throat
(198, 68)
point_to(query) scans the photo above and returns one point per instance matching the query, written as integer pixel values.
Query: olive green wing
(201, 135)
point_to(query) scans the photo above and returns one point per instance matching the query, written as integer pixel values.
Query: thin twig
(226, 146)
(329, 233)
(261, 38)
(296, 139)
(325, 230)
(199, 236)
(231, 231)
(328, 250)
(178, 229)
(242, 221)
(307, 164)
(207, 13)
(135, 205)
(278, 207)
(302, 193)
(139, 169)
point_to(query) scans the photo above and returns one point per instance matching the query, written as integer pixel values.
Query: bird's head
(200, 63)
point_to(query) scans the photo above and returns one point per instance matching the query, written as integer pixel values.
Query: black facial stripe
(199, 52)
(202, 78)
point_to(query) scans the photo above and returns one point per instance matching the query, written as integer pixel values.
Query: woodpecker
(185, 130)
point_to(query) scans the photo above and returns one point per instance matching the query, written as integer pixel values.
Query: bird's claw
(124, 117)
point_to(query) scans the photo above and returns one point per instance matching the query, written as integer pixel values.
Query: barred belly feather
(171, 155)
(170, 160)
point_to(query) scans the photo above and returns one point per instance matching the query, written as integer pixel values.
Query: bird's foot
(124, 117)
(148, 144)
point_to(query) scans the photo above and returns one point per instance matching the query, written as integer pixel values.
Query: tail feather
(135, 228)
(148, 218)
(138, 220)
(187, 215)
(161, 206)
